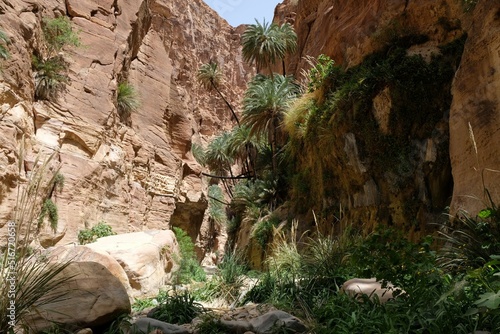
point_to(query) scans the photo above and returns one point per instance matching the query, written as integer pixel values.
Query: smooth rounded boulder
(147, 258)
(92, 296)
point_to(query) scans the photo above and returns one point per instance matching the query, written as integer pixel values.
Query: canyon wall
(135, 173)
(442, 168)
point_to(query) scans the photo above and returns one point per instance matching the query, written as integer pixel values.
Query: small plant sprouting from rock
(100, 230)
(127, 99)
(4, 53)
(50, 76)
(51, 68)
(58, 33)
(49, 209)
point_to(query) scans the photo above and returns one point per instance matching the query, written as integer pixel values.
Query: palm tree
(265, 43)
(265, 101)
(210, 77)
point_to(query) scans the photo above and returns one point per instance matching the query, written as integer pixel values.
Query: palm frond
(209, 75)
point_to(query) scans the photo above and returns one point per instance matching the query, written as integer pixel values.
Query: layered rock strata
(137, 172)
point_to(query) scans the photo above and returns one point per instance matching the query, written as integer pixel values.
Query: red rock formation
(136, 174)
(476, 107)
(347, 31)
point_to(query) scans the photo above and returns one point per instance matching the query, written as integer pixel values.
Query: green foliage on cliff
(50, 67)
(4, 53)
(340, 108)
(102, 229)
(59, 33)
(127, 99)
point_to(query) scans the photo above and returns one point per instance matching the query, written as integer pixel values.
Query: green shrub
(59, 181)
(469, 242)
(127, 99)
(176, 309)
(262, 231)
(227, 281)
(100, 230)
(50, 76)
(58, 33)
(49, 209)
(189, 268)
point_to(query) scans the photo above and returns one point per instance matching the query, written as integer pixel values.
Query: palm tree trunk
(227, 103)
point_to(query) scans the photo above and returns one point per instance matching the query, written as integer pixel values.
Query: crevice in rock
(139, 30)
(189, 217)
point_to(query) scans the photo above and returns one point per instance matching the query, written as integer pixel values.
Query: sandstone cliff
(441, 166)
(137, 174)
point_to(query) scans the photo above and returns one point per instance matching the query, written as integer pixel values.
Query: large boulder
(93, 296)
(147, 258)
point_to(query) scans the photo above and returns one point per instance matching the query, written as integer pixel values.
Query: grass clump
(127, 99)
(190, 269)
(143, 303)
(228, 280)
(50, 76)
(29, 279)
(102, 229)
(211, 325)
(177, 308)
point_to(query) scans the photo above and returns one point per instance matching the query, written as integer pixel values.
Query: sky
(238, 12)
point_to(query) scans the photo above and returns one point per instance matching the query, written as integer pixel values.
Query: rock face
(435, 176)
(348, 31)
(476, 108)
(137, 172)
(147, 258)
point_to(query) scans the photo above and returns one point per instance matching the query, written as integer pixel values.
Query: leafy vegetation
(228, 280)
(102, 229)
(59, 33)
(50, 76)
(49, 209)
(305, 277)
(127, 99)
(4, 53)
(176, 308)
(210, 77)
(143, 303)
(51, 68)
(189, 268)
(263, 44)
